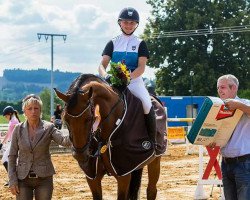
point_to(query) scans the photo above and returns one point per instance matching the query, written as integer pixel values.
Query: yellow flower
(120, 75)
(123, 67)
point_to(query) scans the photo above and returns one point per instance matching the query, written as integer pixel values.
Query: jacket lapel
(25, 134)
(39, 134)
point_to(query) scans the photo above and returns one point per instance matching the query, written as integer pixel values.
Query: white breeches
(137, 88)
(6, 152)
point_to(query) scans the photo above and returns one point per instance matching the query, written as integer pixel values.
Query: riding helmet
(129, 14)
(8, 110)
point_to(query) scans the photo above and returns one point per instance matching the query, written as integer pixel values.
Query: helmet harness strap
(124, 31)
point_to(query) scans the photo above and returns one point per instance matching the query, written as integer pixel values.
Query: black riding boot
(5, 164)
(151, 125)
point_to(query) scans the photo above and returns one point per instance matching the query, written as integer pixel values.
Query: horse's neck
(104, 94)
(111, 107)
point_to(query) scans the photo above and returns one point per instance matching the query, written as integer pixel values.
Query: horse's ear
(90, 92)
(62, 96)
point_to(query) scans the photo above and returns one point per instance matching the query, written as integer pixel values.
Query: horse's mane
(77, 84)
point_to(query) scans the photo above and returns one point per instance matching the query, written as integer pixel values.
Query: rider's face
(128, 26)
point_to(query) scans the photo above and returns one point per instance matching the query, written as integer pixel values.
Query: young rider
(129, 49)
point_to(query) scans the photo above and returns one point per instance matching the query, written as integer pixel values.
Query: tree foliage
(17, 83)
(45, 97)
(208, 56)
(38, 75)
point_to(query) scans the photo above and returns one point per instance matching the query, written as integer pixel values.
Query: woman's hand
(14, 189)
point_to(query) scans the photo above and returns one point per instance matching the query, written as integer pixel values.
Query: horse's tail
(135, 184)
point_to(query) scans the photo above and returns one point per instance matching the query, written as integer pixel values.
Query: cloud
(89, 25)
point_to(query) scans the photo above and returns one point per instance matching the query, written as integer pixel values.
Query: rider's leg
(151, 125)
(138, 88)
(5, 164)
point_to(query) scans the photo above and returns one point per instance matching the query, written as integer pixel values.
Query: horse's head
(80, 120)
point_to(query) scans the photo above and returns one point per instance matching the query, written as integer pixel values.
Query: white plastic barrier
(3, 130)
(199, 192)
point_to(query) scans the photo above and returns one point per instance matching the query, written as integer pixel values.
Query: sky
(89, 25)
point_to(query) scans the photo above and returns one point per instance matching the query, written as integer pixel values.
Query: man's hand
(1, 145)
(212, 145)
(232, 104)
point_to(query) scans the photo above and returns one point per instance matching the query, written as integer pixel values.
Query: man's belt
(236, 159)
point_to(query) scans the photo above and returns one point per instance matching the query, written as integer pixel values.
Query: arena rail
(190, 149)
(54, 148)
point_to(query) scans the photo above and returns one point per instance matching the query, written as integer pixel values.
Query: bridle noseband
(90, 106)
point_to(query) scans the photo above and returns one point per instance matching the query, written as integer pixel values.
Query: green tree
(208, 56)
(45, 97)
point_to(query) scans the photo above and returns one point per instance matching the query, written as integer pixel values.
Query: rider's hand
(1, 145)
(107, 78)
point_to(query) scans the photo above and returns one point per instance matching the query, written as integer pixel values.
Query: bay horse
(91, 113)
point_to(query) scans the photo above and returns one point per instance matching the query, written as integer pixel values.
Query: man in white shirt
(236, 154)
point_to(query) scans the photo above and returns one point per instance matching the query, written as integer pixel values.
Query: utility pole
(46, 36)
(192, 103)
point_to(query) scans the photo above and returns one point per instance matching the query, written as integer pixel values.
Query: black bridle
(96, 135)
(90, 106)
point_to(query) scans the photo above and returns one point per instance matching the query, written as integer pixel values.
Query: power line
(24, 52)
(46, 36)
(209, 31)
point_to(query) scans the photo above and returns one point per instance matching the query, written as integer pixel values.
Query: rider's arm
(140, 69)
(103, 65)
(106, 57)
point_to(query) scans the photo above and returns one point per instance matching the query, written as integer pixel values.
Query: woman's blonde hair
(32, 99)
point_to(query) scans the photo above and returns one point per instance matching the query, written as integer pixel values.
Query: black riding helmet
(8, 110)
(130, 14)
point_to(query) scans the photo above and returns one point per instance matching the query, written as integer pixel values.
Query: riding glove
(1, 145)
(108, 78)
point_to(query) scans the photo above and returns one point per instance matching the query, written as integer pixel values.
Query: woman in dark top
(58, 117)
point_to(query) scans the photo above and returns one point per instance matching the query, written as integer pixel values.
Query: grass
(3, 120)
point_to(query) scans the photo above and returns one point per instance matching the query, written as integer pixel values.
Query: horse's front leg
(153, 177)
(95, 186)
(123, 187)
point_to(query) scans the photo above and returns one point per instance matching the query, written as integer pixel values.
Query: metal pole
(192, 106)
(51, 77)
(46, 35)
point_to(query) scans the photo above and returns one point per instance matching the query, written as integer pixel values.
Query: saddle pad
(161, 125)
(130, 145)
